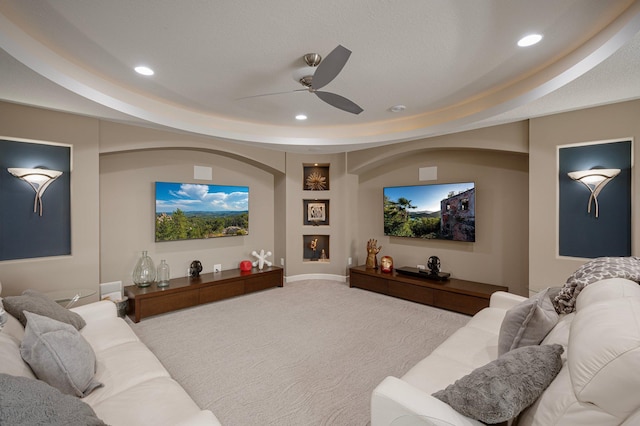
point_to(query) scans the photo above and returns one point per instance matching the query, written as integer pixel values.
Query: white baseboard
(301, 277)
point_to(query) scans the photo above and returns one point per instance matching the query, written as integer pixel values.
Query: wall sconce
(594, 180)
(38, 179)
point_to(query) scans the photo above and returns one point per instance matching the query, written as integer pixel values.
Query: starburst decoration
(316, 182)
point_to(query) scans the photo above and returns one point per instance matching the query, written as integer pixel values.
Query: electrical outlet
(217, 267)
(349, 262)
(282, 261)
(421, 267)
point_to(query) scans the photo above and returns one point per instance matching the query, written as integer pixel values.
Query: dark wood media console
(467, 297)
(185, 292)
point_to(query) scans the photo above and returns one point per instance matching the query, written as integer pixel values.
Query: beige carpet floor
(309, 353)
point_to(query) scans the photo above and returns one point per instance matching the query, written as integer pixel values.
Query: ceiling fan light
(302, 72)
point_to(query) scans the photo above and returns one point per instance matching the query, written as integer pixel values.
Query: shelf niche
(321, 244)
(315, 177)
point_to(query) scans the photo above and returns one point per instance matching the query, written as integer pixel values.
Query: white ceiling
(455, 65)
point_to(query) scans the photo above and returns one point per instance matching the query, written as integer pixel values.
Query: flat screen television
(445, 211)
(187, 211)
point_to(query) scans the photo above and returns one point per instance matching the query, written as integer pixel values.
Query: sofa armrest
(394, 398)
(504, 300)
(96, 311)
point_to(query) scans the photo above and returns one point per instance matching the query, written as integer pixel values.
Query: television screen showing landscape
(186, 211)
(441, 211)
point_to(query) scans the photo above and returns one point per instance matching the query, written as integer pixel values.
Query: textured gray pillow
(27, 402)
(40, 304)
(58, 354)
(528, 322)
(500, 390)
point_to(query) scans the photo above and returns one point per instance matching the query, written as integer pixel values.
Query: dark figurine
(433, 263)
(195, 268)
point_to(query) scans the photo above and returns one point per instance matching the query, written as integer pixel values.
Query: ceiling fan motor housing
(304, 75)
(312, 59)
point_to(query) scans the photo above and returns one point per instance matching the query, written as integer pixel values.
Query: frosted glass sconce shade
(594, 180)
(38, 179)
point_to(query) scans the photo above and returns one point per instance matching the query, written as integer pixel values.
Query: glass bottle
(145, 271)
(163, 274)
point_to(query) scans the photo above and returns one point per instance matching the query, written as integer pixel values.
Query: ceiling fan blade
(271, 94)
(339, 102)
(330, 67)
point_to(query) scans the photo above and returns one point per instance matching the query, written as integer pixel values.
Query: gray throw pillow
(500, 390)
(58, 354)
(528, 322)
(27, 402)
(40, 304)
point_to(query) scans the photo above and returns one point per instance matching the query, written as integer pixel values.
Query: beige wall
(546, 134)
(512, 137)
(295, 229)
(499, 255)
(516, 206)
(128, 205)
(115, 166)
(117, 137)
(80, 269)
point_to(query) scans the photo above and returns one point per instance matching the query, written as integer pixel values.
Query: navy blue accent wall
(581, 234)
(23, 233)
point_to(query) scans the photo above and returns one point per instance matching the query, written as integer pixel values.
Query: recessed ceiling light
(301, 117)
(529, 40)
(397, 108)
(144, 70)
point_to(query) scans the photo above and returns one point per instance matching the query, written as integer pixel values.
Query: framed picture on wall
(316, 212)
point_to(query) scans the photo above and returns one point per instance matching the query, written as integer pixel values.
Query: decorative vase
(163, 274)
(245, 265)
(323, 255)
(145, 271)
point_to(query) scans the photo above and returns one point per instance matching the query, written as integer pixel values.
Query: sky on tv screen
(195, 197)
(426, 197)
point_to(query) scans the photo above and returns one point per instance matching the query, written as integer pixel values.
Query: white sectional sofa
(598, 382)
(137, 389)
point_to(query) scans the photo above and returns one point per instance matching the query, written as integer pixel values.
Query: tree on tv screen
(400, 222)
(179, 225)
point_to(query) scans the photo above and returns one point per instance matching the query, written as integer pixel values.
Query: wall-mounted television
(187, 211)
(445, 211)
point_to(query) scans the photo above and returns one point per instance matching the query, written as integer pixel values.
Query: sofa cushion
(604, 355)
(528, 322)
(59, 355)
(10, 360)
(40, 304)
(500, 390)
(608, 289)
(27, 401)
(159, 402)
(13, 328)
(123, 367)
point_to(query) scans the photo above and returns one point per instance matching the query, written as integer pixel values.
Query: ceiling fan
(318, 73)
